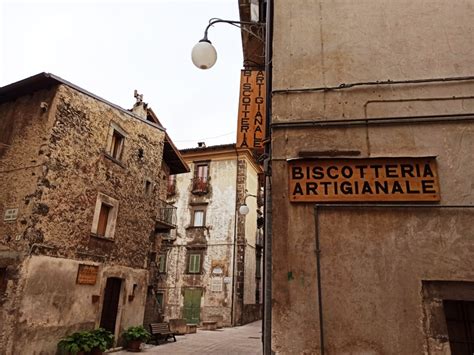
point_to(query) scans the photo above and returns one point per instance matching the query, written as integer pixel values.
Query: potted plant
(103, 340)
(93, 342)
(134, 336)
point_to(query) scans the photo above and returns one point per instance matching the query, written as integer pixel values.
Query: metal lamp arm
(238, 24)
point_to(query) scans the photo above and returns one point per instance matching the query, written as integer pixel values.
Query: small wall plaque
(87, 274)
(11, 214)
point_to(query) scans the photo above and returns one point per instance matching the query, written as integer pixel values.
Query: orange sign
(364, 180)
(87, 274)
(251, 123)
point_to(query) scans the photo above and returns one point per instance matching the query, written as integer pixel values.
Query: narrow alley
(238, 340)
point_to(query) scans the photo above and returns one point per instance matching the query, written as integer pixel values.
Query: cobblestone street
(245, 340)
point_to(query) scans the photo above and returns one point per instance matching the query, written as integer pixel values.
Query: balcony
(200, 185)
(166, 217)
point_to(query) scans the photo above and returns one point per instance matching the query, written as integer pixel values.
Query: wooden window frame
(188, 261)
(113, 205)
(193, 217)
(115, 150)
(162, 263)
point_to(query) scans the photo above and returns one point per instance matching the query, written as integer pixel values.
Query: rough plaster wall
(219, 236)
(319, 43)
(52, 299)
(250, 236)
(326, 43)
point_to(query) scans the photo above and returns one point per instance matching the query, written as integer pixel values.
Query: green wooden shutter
(194, 263)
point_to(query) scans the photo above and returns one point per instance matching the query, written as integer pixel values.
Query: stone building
(211, 264)
(80, 203)
(372, 110)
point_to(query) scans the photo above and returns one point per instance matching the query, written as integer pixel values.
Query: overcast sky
(111, 47)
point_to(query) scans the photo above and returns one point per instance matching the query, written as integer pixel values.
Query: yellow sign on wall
(364, 180)
(87, 274)
(251, 122)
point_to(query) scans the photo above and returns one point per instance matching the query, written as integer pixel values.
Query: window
(201, 177)
(460, 322)
(162, 263)
(148, 186)
(3, 279)
(105, 216)
(194, 263)
(159, 300)
(171, 189)
(115, 143)
(11, 214)
(198, 218)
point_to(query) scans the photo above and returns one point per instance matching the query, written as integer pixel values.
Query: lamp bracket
(253, 28)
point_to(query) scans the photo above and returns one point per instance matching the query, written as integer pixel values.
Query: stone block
(178, 326)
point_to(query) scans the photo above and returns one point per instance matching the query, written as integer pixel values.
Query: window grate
(460, 322)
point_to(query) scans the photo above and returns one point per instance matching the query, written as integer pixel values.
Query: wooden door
(108, 317)
(192, 305)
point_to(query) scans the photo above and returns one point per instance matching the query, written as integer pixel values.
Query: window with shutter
(103, 218)
(194, 263)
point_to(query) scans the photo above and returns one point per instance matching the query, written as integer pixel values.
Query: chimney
(140, 107)
(201, 145)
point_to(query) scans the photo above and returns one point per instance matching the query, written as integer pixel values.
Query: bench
(161, 331)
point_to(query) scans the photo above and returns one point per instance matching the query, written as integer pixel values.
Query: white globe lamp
(244, 209)
(204, 54)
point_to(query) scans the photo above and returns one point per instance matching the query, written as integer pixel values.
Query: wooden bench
(161, 331)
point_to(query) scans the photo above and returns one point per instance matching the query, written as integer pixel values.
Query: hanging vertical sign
(251, 122)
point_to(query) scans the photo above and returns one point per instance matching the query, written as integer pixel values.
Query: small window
(201, 178)
(159, 300)
(198, 218)
(194, 264)
(162, 263)
(3, 279)
(171, 190)
(117, 145)
(105, 216)
(148, 186)
(115, 142)
(103, 219)
(11, 214)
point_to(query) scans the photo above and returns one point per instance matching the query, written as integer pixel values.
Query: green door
(192, 305)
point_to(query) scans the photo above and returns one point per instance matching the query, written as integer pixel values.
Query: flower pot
(134, 346)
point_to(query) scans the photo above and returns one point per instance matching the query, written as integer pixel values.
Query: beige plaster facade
(57, 166)
(384, 272)
(227, 281)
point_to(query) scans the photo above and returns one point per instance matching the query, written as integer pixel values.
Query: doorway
(192, 305)
(110, 304)
(460, 322)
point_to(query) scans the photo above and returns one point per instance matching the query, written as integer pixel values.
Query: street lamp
(204, 55)
(244, 209)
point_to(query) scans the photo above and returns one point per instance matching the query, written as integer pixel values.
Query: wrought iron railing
(201, 185)
(166, 215)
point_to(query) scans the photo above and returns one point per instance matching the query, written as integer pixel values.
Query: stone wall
(53, 167)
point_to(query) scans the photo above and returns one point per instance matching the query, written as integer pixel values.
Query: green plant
(86, 341)
(136, 333)
(104, 338)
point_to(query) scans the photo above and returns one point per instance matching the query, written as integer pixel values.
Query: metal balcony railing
(166, 218)
(200, 185)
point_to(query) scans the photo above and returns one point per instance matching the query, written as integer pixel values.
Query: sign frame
(87, 274)
(366, 180)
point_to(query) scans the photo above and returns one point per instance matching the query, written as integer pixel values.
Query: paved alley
(245, 340)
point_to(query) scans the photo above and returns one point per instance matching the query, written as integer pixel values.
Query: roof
(46, 80)
(41, 81)
(211, 148)
(173, 158)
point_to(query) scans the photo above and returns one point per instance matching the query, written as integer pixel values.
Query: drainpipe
(234, 256)
(267, 256)
(318, 207)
